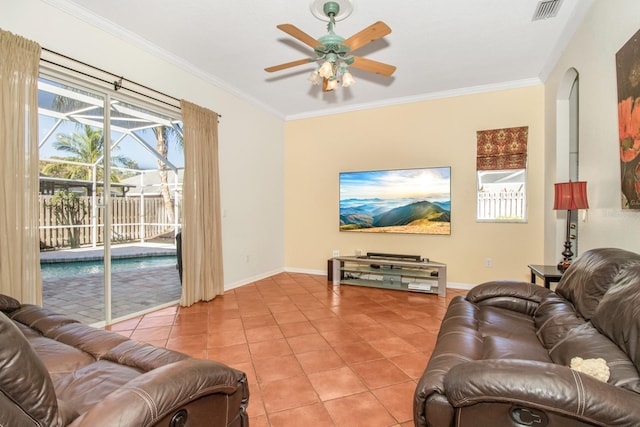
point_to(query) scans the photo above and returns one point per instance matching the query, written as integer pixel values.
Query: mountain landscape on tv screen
(395, 216)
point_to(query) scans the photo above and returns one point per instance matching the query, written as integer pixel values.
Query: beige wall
(431, 133)
(591, 52)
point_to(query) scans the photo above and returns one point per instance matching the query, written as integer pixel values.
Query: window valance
(500, 149)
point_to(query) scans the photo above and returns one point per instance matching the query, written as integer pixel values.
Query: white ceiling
(440, 47)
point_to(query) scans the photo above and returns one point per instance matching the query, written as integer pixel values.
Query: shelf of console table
(387, 273)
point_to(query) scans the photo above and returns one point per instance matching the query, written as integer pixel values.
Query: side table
(548, 273)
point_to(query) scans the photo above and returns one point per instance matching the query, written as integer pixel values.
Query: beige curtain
(19, 180)
(202, 275)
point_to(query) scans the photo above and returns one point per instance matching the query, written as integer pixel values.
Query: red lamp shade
(571, 196)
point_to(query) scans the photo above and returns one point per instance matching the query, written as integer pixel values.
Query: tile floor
(314, 354)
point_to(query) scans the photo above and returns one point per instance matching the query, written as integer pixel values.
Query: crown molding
(515, 84)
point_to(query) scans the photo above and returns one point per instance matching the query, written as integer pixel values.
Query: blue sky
(424, 183)
(129, 147)
(56, 100)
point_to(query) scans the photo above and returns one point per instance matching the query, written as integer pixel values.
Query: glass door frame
(109, 95)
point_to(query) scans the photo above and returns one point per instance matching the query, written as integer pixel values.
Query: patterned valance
(502, 148)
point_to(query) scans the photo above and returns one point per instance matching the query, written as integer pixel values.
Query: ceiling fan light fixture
(314, 78)
(332, 84)
(333, 53)
(347, 79)
(326, 70)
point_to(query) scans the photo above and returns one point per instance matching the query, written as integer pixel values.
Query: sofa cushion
(143, 356)
(512, 295)
(40, 319)
(59, 359)
(587, 342)
(618, 315)
(24, 381)
(554, 317)
(509, 334)
(589, 277)
(92, 383)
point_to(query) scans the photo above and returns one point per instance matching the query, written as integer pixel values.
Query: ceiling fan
(334, 52)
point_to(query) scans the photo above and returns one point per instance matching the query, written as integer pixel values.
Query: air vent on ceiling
(546, 9)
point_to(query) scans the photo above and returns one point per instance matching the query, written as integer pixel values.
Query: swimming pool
(58, 270)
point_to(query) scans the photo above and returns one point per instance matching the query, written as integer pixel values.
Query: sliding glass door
(145, 207)
(110, 186)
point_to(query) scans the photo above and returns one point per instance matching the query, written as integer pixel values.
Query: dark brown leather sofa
(503, 351)
(55, 371)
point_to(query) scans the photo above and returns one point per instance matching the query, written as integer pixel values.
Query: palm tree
(164, 134)
(87, 148)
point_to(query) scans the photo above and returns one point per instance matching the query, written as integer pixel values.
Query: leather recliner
(503, 352)
(55, 371)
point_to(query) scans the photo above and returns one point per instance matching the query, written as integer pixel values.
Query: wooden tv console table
(417, 276)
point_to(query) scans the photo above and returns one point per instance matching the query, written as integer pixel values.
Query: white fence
(133, 219)
(502, 206)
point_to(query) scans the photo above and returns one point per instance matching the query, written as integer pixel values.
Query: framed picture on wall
(414, 201)
(628, 75)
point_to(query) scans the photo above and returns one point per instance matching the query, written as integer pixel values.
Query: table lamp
(569, 196)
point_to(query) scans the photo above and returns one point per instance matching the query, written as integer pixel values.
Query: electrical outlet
(488, 263)
(358, 252)
(336, 252)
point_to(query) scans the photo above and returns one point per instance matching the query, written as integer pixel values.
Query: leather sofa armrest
(547, 387)
(517, 296)
(159, 394)
(27, 394)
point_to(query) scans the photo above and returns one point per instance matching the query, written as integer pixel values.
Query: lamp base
(563, 265)
(567, 254)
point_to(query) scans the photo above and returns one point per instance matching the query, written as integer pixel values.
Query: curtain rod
(117, 84)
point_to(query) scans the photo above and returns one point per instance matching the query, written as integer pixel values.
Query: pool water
(58, 270)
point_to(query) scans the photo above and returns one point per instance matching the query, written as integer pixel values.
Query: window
(501, 175)
(502, 195)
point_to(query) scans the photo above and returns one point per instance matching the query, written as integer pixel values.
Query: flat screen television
(396, 201)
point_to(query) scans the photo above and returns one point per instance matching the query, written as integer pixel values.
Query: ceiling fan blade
(297, 33)
(288, 65)
(373, 66)
(372, 33)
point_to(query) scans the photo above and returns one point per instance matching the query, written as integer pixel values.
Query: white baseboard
(464, 286)
(229, 286)
(305, 271)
